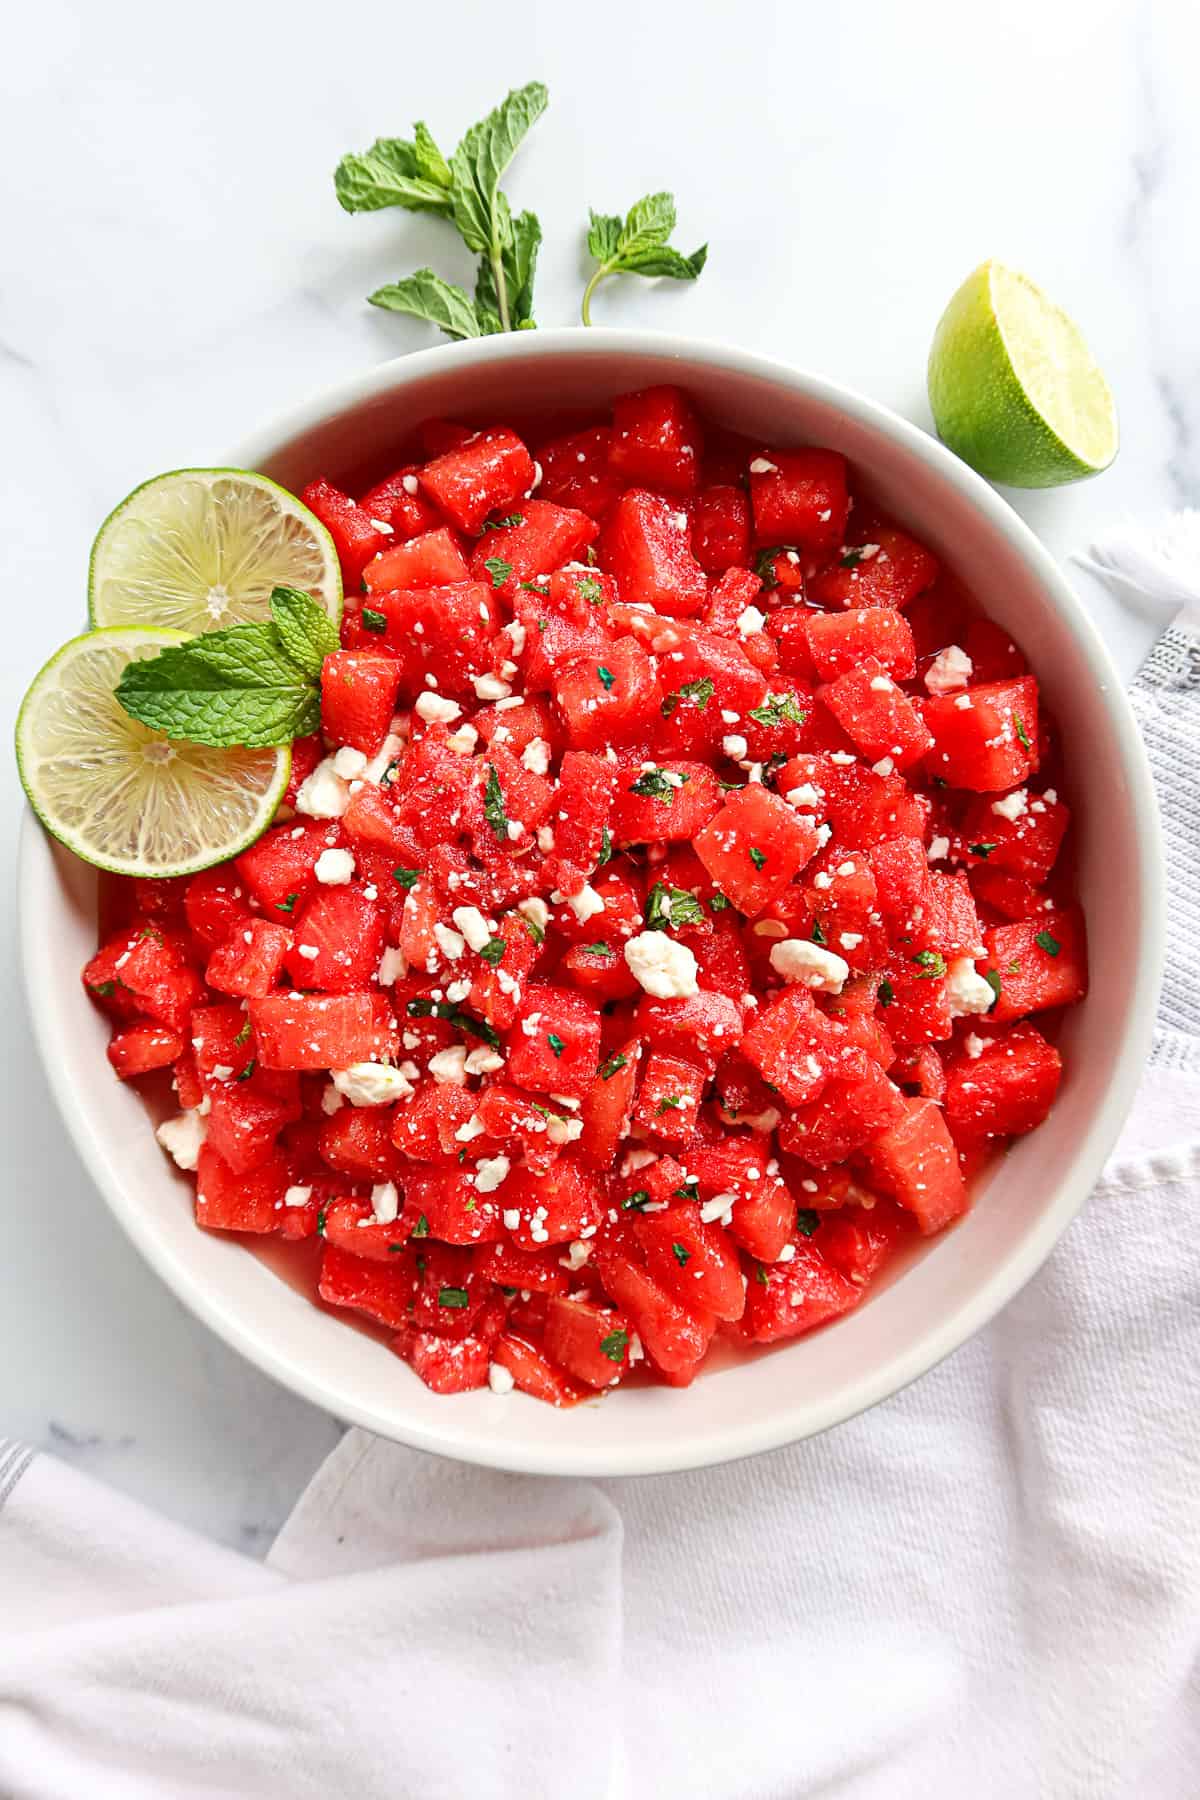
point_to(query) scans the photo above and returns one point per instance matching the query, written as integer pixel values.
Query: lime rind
(1013, 387)
(196, 549)
(125, 798)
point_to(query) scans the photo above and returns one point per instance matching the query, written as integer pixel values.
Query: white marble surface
(173, 267)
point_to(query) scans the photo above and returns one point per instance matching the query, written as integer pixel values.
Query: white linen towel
(988, 1586)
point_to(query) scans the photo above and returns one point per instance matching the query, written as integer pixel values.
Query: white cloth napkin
(988, 1586)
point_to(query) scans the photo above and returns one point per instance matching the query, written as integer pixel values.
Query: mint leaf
(431, 164)
(669, 906)
(518, 264)
(493, 805)
(493, 951)
(698, 692)
(654, 784)
(613, 1066)
(638, 246)
(498, 569)
(776, 708)
(394, 172)
(481, 212)
(425, 295)
(306, 631)
(226, 688)
(614, 1345)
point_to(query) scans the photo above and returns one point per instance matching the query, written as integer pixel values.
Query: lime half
(201, 548)
(123, 797)
(1014, 389)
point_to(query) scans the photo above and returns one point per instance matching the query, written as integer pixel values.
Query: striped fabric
(15, 1458)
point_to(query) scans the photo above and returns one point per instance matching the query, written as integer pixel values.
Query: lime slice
(123, 797)
(1015, 391)
(201, 548)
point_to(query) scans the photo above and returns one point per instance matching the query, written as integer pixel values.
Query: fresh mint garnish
(493, 805)
(637, 245)
(254, 685)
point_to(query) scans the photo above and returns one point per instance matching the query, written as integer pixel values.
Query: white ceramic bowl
(950, 1287)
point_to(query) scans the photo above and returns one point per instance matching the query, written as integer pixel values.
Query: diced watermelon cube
(534, 1373)
(666, 801)
(606, 701)
(543, 538)
(656, 440)
(280, 869)
(355, 536)
(754, 847)
(251, 961)
(383, 1291)
(694, 1261)
(358, 698)
(891, 571)
(345, 929)
(1040, 962)
(646, 545)
(247, 1117)
(137, 1049)
(1006, 1089)
(589, 1342)
(877, 715)
(1025, 841)
(675, 1336)
(608, 1105)
(216, 904)
(359, 1141)
(986, 738)
(785, 1299)
(323, 1031)
(576, 472)
(800, 499)
(669, 1099)
(838, 642)
(250, 1201)
(555, 1045)
(484, 474)
(720, 528)
(916, 1163)
(432, 560)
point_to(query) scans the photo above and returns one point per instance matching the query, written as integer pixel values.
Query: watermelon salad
(667, 924)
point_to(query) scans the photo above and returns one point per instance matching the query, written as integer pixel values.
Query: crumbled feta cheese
(473, 1128)
(449, 942)
(464, 740)
(409, 483)
(371, 1084)
(500, 1379)
(490, 687)
(850, 940)
(483, 1061)
(806, 795)
(939, 849)
(436, 709)
(881, 684)
(964, 703)
(516, 831)
(510, 1218)
(843, 758)
(885, 766)
(349, 763)
(577, 1254)
(385, 1202)
(457, 991)
(223, 1072)
(734, 746)
(1012, 806)
(490, 1173)
(950, 670)
(760, 466)
(449, 1067)
(586, 904)
(323, 794)
(729, 718)
(974, 1046)
(331, 1100)
(966, 990)
(536, 756)
(473, 926)
(535, 910)
(392, 966)
(811, 965)
(661, 966)
(334, 868)
(309, 952)
(719, 1207)
(182, 1137)
(750, 620)
(297, 1196)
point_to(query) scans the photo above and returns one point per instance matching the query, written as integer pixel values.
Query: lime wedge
(123, 797)
(1014, 389)
(200, 548)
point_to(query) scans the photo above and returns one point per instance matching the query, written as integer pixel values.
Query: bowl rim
(806, 1416)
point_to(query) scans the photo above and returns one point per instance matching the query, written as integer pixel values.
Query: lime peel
(1013, 387)
(120, 796)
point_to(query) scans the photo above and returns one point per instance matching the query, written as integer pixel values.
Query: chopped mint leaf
(493, 805)
(931, 963)
(455, 1298)
(555, 1042)
(613, 1066)
(1046, 940)
(682, 1254)
(493, 951)
(407, 878)
(807, 1220)
(372, 620)
(498, 569)
(614, 1345)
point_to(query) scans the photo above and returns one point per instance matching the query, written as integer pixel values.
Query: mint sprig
(637, 245)
(251, 685)
(466, 192)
